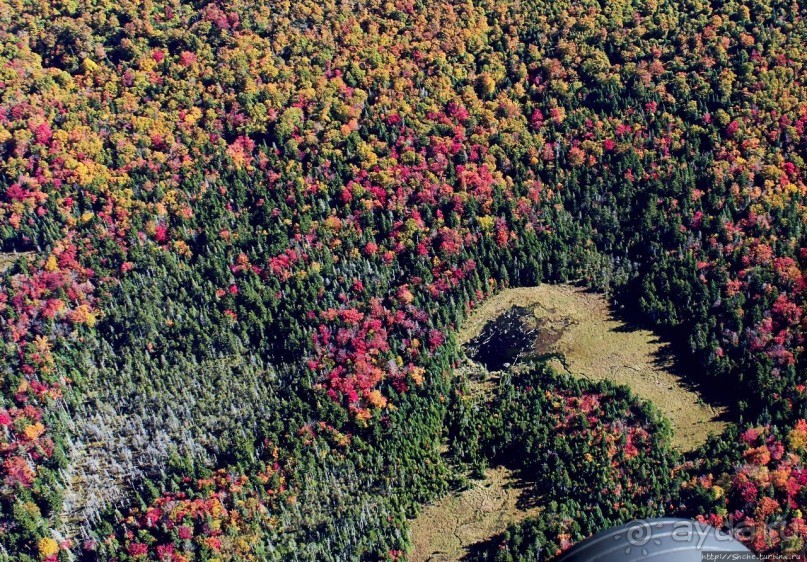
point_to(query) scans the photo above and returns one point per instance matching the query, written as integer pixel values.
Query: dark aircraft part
(658, 540)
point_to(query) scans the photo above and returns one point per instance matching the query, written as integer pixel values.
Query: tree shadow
(674, 356)
(482, 550)
(529, 501)
(713, 391)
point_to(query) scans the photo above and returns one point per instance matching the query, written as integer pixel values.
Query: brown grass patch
(581, 326)
(444, 531)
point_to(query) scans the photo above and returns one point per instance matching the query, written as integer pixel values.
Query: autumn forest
(238, 238)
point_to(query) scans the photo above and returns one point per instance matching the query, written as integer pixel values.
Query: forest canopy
(241, 234)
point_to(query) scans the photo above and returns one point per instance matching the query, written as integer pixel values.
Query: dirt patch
(444, 531)
(580, 326)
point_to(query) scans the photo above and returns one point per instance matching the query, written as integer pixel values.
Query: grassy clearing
(581, 327)
(444, 531)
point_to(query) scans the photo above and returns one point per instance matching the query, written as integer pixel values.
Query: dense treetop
(251, 228)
